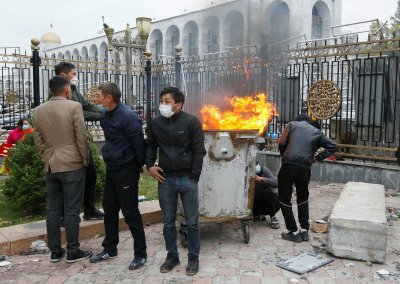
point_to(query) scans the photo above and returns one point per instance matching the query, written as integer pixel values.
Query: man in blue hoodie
(124, 155)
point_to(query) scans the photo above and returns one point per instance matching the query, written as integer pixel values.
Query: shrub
(26, 186)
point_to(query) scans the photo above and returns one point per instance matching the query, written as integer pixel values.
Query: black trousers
(121, 193)
(300, 177)
(89, 199)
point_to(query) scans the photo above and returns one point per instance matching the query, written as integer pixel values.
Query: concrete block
(358, 226)
(391, 179)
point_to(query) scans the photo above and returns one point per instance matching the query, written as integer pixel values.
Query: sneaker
(96, 214)
(56, 256)
(304, 235)
(77, 256)
(289, 236)
(137, 262)
(193, 267)
(169, 264)
(275, 223)
(103, 256)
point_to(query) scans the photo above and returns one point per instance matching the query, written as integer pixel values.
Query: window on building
(192, 44)
(316, 24)
(212, 41)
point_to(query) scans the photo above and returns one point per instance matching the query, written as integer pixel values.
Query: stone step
(358, 224)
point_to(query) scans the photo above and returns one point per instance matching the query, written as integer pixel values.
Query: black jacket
(299, 142)
(125, 142)
(180, 142)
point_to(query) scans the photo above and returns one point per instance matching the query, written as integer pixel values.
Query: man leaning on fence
(60, 137)
(298, 144)
(90, 113)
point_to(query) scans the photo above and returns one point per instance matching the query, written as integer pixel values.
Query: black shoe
(77, 256)
(193, 267)
(137, 262)
(257, 218)
(292, 237)
(93, 215)
(304, 235)
(103, 256)
(169, 264)
(56, 256)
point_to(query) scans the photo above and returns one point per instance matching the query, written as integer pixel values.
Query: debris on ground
(37, 247)
(319, 226)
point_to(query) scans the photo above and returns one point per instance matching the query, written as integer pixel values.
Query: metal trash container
(226, 185)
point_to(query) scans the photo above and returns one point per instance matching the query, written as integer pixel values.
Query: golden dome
(50, 37)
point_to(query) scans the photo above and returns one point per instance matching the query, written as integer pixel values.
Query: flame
(247, 113)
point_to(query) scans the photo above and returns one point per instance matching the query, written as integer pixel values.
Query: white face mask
(166, 110)
(26, 126)
(74, 81)
(258, 169)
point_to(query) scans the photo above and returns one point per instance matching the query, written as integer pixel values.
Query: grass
(10, 215)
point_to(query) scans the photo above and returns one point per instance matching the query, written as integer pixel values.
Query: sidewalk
(224, 258)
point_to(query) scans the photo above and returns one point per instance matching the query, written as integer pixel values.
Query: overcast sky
(76, 20)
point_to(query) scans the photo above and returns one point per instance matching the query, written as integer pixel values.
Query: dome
(50, 37)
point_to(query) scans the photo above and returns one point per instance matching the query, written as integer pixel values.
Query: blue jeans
(168, 193)
(65, 192)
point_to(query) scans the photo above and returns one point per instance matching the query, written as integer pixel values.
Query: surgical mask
(25, 127)
(258, 169)
(101, 108)
(166, 110)
(74, 81)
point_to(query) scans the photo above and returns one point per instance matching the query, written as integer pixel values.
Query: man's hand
(157, 173)
(258, 178)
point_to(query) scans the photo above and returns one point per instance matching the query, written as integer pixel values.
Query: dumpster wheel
(246, 231)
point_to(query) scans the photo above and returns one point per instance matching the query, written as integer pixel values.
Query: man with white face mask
(90, 113)
(179, 139)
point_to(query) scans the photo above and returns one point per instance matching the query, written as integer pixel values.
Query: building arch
(60, 55)
(75, 54)
(233, 29)
(210, 35)
(84, 53)
(191, 39)
(321, 21)
(93, 53)
(103, 53)
(67, 55)
(276, 22)
(156, 44)
(172, 39)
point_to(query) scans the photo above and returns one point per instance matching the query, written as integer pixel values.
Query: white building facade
(218, 28)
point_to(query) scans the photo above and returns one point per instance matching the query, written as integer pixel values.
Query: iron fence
(366, 73)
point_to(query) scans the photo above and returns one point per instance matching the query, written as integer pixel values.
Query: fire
(247, 113)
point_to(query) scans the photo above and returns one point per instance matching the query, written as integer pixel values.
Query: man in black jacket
(297, 145)
(179, 139)
(124, 155)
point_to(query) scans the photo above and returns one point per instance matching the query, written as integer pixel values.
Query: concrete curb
(17, 239)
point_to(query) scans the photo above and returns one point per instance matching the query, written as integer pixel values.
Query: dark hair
(21, 122)
(111, 89)
(57, 85)
(303, 117)
(178, 96)
(63, 67)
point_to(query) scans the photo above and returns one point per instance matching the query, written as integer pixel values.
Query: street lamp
(131, 46)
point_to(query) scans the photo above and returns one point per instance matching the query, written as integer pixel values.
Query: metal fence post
(178, 66)
(148, 89)
(35, 61)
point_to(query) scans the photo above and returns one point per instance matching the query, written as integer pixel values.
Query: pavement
(224, 258)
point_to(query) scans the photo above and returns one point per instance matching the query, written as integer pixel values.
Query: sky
(77, 20)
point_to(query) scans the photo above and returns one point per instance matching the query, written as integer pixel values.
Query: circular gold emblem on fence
(91, 95)
(324, 99)
(11, 97)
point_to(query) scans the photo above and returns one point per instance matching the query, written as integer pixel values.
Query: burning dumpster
(226, 185)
